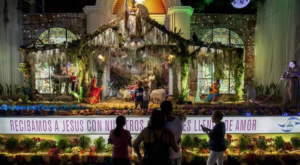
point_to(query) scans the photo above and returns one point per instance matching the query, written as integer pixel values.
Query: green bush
(2, 141)
(100, 144)
(45, 145)
(279, 143)
(84, 142)
(203, 144)
(262, 144)
(63, 144)
(187, 142)
(28, 143)
(295, 142)
(243, 142)
(12, 144)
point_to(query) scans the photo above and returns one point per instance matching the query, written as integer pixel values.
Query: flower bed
(82, 109)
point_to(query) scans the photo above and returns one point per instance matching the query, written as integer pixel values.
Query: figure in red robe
(94, 93)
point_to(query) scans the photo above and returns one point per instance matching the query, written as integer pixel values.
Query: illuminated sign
(104, 124)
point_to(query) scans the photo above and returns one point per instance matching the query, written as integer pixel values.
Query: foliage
(237, 66)
(203, 144)
(109, 148)
(295, 142)
(2, 141)
(261, 144)
(63, 144)
(28, 143)
(45, 145)
(100, 144)
(243, 142)
(84, 142)
(227, 142)
(279, 143)
(12, 144)
(187, 142)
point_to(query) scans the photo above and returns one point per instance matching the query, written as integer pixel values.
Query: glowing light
(101, 58)
(139, 1)
(240, 3)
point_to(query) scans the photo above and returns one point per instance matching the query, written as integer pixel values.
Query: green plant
(12, 144)
(2, 141)
(28, 143)
(203, 144)
(279, 143)
(44, 145)
(100, 144)
(63, 144)
(295, 142)
(227, 142)
(109, 148)
(84, 142)
(243, 142)
(262, 144)
(188, 142)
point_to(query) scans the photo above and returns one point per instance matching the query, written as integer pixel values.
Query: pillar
(96, 16)
(180, 18)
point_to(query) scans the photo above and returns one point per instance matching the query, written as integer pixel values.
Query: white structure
(167, 12)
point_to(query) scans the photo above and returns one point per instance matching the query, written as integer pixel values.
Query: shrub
(187, 142)
(44, 145)
(63, 144)
(84, 142)
(28, 143)
(261, 144)
(243, 142)
(295, 142)
(12, 144)
(100, 144)
(279, 143)
(203, 144)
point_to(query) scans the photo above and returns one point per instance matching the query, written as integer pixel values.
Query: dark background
(76, 6)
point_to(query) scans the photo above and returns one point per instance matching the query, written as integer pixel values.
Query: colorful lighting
(139, 1)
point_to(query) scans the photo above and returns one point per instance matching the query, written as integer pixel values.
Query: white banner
(103, 125)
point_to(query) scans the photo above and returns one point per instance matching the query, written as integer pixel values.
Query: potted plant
(27, 143)
(187, 144)
(243, 142)
(75, 154)
(44, 146)
(262, 145)
(279, 146)
(295, 144)
(12, 145)
(54, 157)
(100, 148)
(84, 142)
(62, 145)
(2, 143)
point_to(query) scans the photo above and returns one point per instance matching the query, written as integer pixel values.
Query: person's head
(150, 73)
(146, 87)
(120, 122)
(140, 84)
(157, 119)
(292, 64)
(217, 116)
(166, 107)
(217, 81)
(133, 2)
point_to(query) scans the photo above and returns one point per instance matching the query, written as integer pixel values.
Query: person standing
(120, 139)
(216, 139)
(146, 97)
(292, 89)
(173, 124)
(157, 141)
(139, 96)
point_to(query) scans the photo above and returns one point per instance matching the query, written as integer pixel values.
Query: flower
(76, 150)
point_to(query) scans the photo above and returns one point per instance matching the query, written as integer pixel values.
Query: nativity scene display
(132, 52)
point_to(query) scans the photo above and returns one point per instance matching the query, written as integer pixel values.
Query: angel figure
(133, 21)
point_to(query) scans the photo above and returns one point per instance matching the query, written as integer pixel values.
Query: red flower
(228, 136)
(261, 137)
(38, 139)
(288, 146)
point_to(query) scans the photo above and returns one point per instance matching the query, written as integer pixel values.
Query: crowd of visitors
(161, 139)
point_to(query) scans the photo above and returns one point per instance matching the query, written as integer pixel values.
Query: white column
(180, 18)
(171, 81)
(105, 78)
(96, 16)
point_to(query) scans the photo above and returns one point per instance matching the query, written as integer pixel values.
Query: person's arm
(109, 138)
(216, 133)
(129, 139)
(136, 144)
(173, 142)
